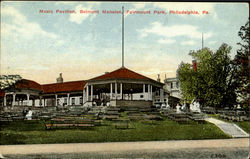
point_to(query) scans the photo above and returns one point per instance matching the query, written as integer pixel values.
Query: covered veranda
(23, 93)
(121, 87)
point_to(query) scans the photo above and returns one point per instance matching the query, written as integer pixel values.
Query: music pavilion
(122, 87)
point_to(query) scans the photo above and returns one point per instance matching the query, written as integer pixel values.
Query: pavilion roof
(121, 73)
(73, 86)
(28, 84)
(64, 87)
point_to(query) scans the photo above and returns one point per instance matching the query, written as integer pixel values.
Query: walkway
(123, 146)
(229, 128)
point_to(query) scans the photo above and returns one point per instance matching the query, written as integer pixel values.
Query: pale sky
(39, 46)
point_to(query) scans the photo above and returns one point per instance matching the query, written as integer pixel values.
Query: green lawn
(33, 132)
(245, 125)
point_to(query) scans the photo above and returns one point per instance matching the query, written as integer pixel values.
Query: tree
(241, 61)
(212, 83)
(7, 81)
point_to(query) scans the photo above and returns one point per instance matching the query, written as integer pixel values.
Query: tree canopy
(241, 60)
(212, 82)
(218, 81)
(7, 81)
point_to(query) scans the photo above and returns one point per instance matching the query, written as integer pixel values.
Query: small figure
(184, 107)
(195, 106)
(168, 106)
(24, 113)
(29, 115)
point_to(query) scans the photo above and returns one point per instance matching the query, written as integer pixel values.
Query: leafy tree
(212, 83)
(242, 65)
(7, 81)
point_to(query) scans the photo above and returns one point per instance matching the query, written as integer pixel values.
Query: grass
(245, 125)
(33, 132)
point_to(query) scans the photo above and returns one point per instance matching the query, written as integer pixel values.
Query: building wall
(141, 96)
(172, 85)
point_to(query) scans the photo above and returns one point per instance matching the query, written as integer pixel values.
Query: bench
(6, 119)
(136, 117)
(68, 123)
(121, 124)
(197, 117)
(147, 121)
(180, 118)
(111, 117)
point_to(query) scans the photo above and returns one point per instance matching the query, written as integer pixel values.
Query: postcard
(124, 79)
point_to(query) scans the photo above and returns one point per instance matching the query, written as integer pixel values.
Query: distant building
(172, 86)
(170, 94)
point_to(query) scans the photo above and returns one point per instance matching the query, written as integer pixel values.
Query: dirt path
(123, 146)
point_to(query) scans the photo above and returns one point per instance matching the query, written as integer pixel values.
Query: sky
(38, 45)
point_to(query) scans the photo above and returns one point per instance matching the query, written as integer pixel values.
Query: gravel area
(221, 153)
(182, 149)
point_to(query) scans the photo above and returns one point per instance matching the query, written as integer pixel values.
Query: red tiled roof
(122, 73)
(63, 87)
(24, 83)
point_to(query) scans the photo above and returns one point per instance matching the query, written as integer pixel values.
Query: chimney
(106, 73)
(158, 79)
(165, 80)
(194, 65)
(59, 79)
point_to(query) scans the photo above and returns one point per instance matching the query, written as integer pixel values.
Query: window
(65, 100)
(80, 100)
(171, 85)
(73, 101)
(177, 84)
(141, 96)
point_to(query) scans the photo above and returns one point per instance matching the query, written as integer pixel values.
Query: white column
(68, 98)
(33, 102)
(4, 101)
(56, 100)
(14, 99)
(91, 97)
(115, 90)
(121, 90)
(44, 102)
(28, 99)
(151, 92)
(161, 95)
(144, 95)
(148, 92)
(111, 91)
(84, 96)
(87, 93)
(40, 101)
